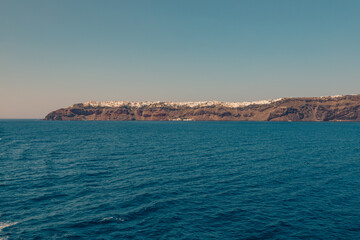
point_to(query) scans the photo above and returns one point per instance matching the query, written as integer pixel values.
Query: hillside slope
(338, 108)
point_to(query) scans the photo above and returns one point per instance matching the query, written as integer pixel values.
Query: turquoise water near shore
(179, 180)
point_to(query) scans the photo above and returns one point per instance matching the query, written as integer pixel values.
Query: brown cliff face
(344, 108)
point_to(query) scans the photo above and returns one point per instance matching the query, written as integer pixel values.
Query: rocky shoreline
(336, 108)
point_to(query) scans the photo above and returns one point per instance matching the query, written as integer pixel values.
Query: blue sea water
(179, 180)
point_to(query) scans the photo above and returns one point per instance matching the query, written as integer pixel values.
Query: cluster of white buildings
(184, 104)
(177, 104)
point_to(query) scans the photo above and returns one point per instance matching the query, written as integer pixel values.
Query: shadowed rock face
(343, 108)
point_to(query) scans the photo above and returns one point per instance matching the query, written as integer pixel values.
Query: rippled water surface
(179, 180)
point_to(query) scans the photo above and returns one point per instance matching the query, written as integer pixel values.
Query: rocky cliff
(336, 108)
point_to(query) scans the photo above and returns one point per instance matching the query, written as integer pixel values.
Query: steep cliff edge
(337, 108)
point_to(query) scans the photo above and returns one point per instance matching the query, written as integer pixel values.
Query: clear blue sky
(56, 53)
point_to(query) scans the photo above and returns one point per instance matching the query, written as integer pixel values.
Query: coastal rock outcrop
(334, 108)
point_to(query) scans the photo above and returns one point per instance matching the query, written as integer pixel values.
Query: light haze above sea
(58, 53)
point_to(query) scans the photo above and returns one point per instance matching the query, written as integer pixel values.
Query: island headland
(330, 108)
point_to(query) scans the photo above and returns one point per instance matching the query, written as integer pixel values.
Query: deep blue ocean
(179, 180)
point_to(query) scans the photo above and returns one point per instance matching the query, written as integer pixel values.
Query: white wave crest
(110, 219)
(5, 225)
